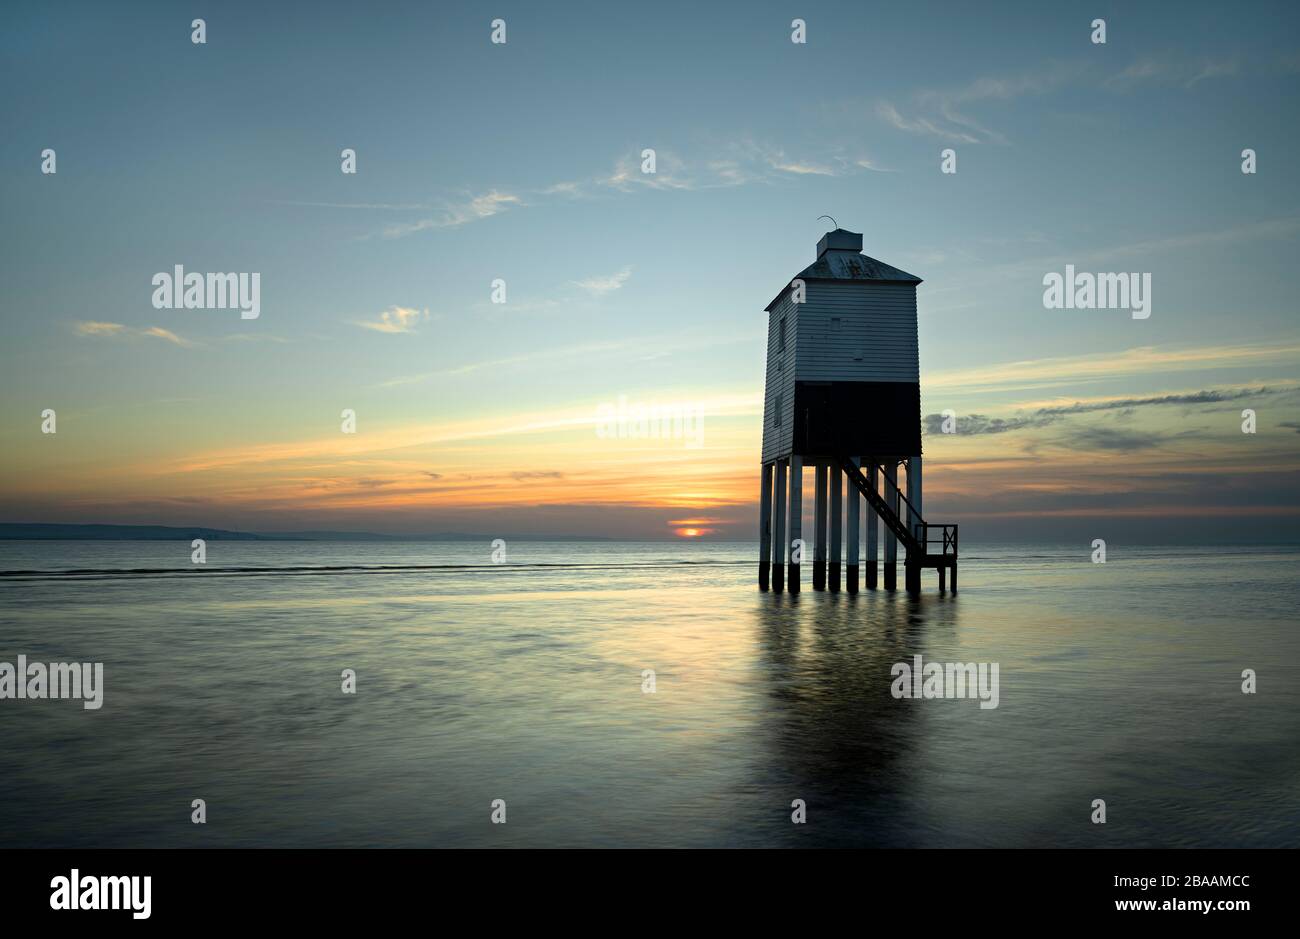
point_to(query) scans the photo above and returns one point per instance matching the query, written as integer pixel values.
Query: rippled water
(523, 682)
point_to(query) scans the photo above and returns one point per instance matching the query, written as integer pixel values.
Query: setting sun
(693, 532)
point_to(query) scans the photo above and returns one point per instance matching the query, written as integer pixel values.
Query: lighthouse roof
(840, 258)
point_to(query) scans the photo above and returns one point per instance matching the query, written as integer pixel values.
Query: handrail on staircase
(911, 509)
(916, 527)
(883, 508)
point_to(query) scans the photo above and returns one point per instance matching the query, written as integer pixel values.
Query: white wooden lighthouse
(843, 398)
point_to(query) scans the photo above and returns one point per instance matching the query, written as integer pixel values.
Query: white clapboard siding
(780, 378)
(875, 339)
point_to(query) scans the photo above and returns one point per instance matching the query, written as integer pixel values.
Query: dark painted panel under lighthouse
(854, 418)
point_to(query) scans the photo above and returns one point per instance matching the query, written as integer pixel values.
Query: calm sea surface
(523, 682)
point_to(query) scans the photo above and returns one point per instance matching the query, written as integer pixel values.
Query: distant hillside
(33, 531)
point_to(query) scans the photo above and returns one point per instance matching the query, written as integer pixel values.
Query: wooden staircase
(916, 535)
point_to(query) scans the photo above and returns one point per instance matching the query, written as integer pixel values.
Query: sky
(521, 162)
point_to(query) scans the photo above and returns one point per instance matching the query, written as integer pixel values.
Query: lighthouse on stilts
(843, 397)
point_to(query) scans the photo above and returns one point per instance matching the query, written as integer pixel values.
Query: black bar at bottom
(331, 887)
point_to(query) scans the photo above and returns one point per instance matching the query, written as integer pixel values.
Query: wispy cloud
(93, 328)
(118, 330)
(671, 172)
(806, 169)
(945, 113)
(452, 215)
(1184, 73)
(797, 167)
(1145, 361)
(833, 161)
(740, 163)
(396, 319)
(157, 332)
(1188, 398)
(980, 424)
(599, 286)
(921, 125)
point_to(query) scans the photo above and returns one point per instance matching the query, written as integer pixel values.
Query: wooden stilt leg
(837, 525)
(795, 534)
(765, 527)
(778, 539)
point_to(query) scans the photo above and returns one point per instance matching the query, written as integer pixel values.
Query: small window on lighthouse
(780, 335)
(776, 411)
(835, 324)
